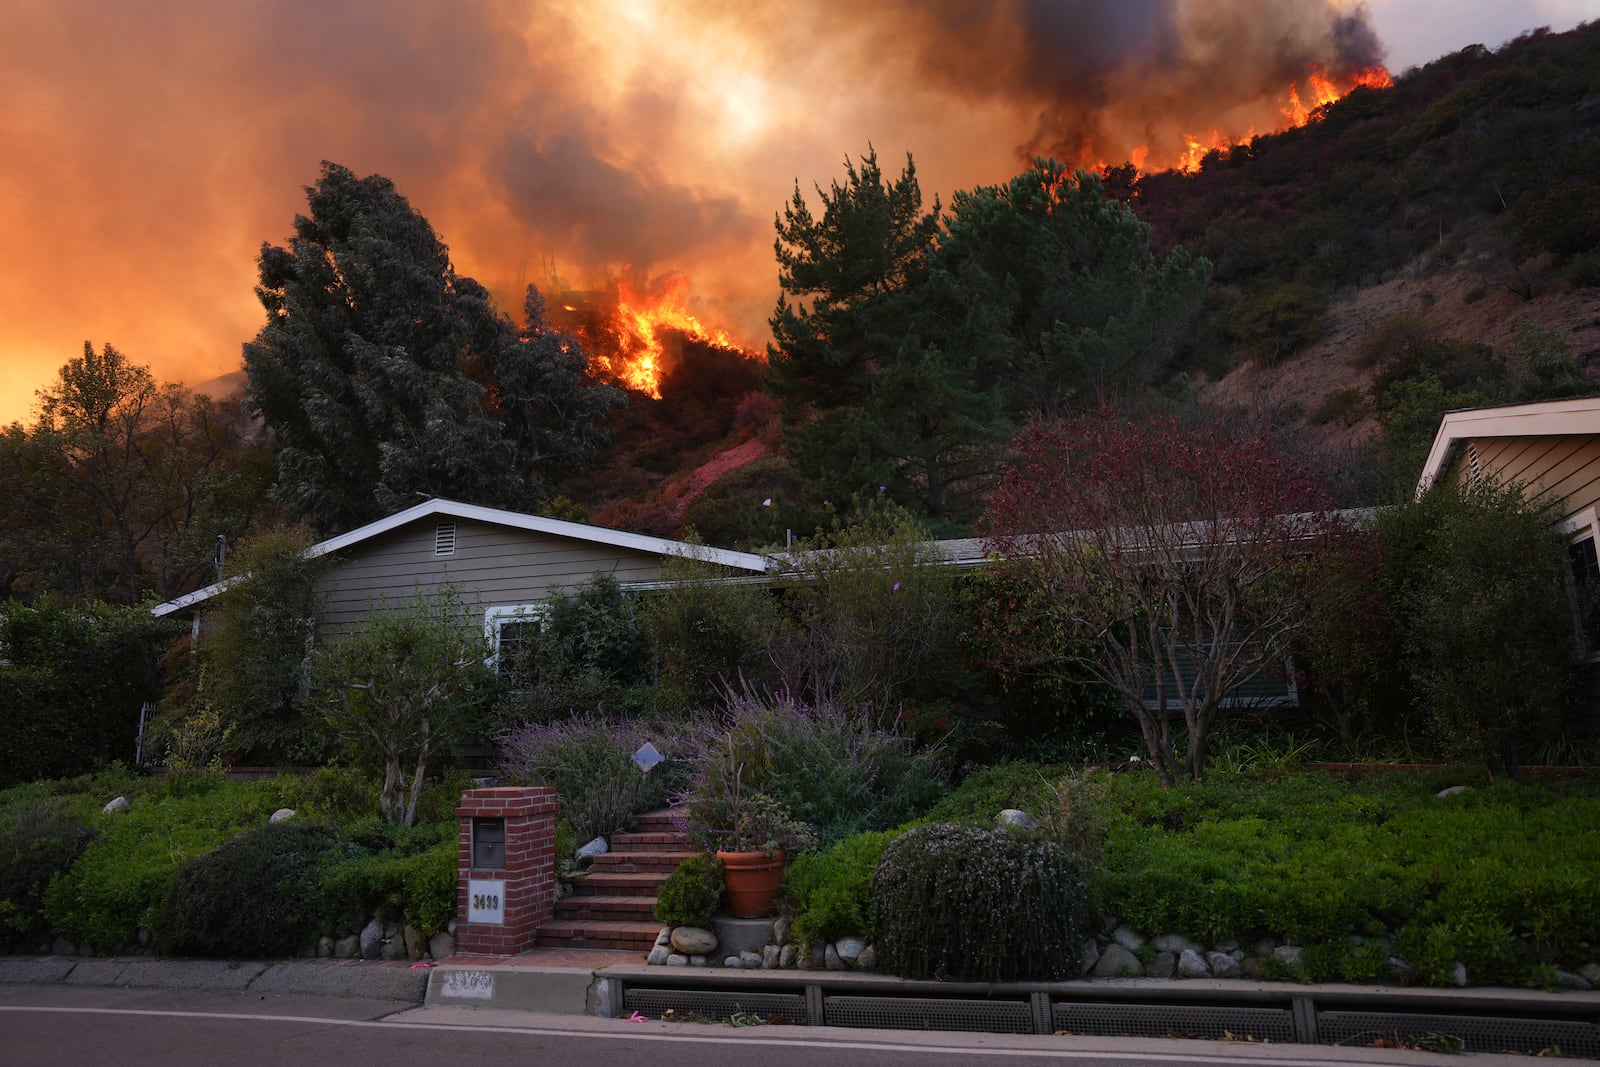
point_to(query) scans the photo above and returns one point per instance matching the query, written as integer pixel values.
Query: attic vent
(444, 539)
(1474, 468)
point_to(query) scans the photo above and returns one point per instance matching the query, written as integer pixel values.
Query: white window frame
(496, 617)
(1585, 525)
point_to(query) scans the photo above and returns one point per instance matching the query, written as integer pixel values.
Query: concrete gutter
(337, 978)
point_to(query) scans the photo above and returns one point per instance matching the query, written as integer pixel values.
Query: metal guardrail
(1446, 1020)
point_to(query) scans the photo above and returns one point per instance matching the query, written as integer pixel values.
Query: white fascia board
(749, 562)
(1549, 418)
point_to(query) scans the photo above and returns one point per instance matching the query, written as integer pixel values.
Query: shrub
(250, 896)
(123, 879)
(830, 769)
(982, 796)
(971, 904)
(37, 843)
(588, 760)
(707, 632)
(410, 875)
(829, 893)
(691, 894)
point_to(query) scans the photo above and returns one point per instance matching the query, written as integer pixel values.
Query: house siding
(1566, 468)
(492, 565)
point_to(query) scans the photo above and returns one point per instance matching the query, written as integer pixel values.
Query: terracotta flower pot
(754, 882)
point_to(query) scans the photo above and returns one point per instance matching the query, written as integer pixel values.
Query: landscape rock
(597, 847)
(677, 959)
(1289, 956)
(780, 930)
(786, 956)
(281, 815)
(1253, 967)
(658, 956)
(692, 940)
(1117, 962)
(1088, 955)
(1173, 943)
(347, 948)
(1165, 965)
(1263, 947)
(1129, 938)
(1453, 791)
(416, 944)
(699, 960)
(116, 804)
(441, 945)
(849, 948)
(1230, 945)
(868, 960)
(1193, 965)
(394, 949)
(769, 957)
(750, 960)
(1399, 970)
(831, 959)
(372, 940)
(664, 936)
(1568, 980)
(1591, 973)
(1018, 818)
(1224, 965)
(1458, 975)
(325, 947)
(731, 961)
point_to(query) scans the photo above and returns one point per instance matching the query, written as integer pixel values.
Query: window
(513, 635)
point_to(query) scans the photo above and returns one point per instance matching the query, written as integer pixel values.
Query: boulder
(1165, 965)
(116, 804)
(1117, 962)
(1173, 943)
(769, 957)
(441, 945)
(1289, 956)
(1128, 938)
(1568, 980)
(416, 944)
(750, 960)
(658, 955)
(282, 815)
(347, 948)
(780, 931)
(677, 959)
(831, 959)
(849, 948)
(786, 956)
(1088, 955)
(868, 960)
(692, 940)
(664, 936)
(372, 940)
(1018, 818)
(325, 947)
(597, 847)
(394, 949)
(1193, 965)
(1453, 791)
(699, 961)
(1223, 965)
(1458, 975)
(731, 962)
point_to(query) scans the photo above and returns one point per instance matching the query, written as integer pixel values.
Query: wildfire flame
(627, 346)
(1301, 101)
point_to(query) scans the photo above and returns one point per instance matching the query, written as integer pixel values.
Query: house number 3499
(486, 901)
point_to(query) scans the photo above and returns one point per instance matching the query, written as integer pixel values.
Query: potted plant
(752, 834)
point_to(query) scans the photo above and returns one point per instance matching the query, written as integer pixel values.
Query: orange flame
(1299, 108)
(635, 352)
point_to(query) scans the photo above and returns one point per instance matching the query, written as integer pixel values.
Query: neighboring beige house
(1552, 449)
(503, 564)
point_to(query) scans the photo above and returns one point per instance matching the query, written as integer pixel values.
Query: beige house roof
(396, 562)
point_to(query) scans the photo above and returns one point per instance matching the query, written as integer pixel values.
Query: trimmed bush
(830, 893)
(408, 874)
(251, 896)
(37, 843)
(965, 903)
(692, 893)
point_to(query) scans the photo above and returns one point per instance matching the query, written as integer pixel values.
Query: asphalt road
(64, 1025)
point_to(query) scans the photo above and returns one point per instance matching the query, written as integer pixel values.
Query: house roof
(1549, 418)
(577, 531)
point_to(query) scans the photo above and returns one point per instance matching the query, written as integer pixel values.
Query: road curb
(320, 977)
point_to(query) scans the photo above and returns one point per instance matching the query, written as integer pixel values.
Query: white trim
(1550, 418)
(500, 614)
(598, 535)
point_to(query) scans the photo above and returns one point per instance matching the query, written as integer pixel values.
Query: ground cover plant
(192, 864)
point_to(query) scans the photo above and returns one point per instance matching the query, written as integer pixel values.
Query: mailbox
(489, 843)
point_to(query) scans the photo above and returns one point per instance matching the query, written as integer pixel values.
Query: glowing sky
(149, 147)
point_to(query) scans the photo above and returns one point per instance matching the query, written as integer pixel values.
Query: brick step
(649, 841)
(631, 909)
(640, 862)
(605, 884)
(656, 822)
(599, 933)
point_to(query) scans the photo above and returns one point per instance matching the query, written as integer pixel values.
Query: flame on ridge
(627, 343)
(1299, 108)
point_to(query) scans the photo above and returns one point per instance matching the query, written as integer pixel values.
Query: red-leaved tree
(1172, 564)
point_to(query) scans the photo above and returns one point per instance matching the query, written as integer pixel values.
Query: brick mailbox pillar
(506, 887)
